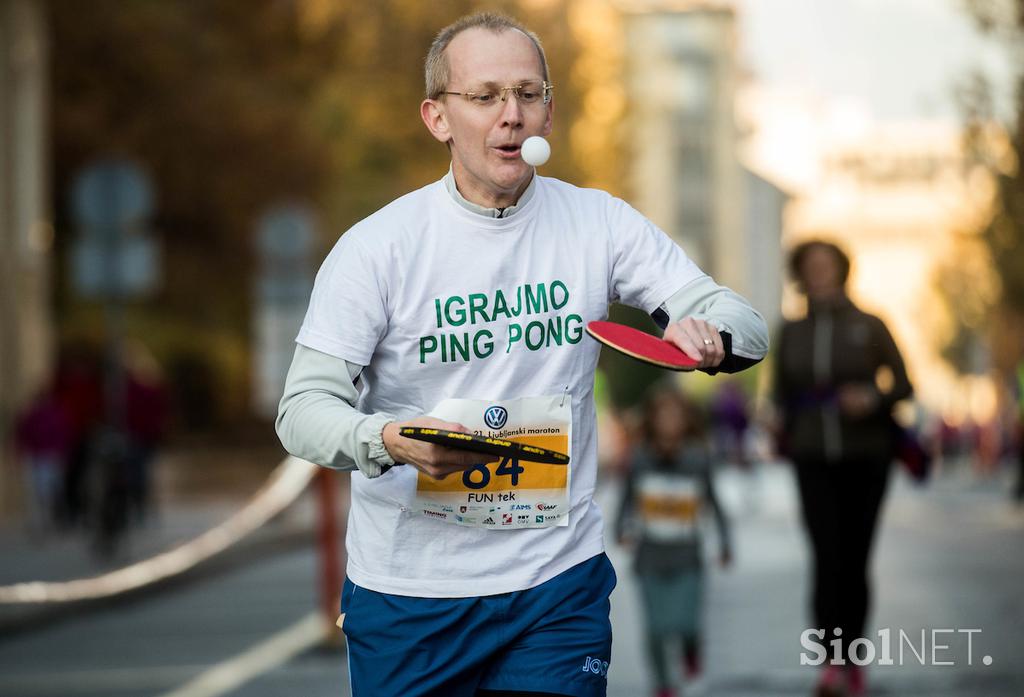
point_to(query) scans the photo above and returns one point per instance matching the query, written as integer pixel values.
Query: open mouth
(508, 150)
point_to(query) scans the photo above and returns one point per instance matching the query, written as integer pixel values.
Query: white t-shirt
(440, 303)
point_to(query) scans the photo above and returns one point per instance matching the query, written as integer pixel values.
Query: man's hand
(436, 461)
(697, 339)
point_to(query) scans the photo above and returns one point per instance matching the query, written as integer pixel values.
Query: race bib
(505, 493)
(668, 506)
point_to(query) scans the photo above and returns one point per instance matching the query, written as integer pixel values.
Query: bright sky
(902, 57)
(828, 70)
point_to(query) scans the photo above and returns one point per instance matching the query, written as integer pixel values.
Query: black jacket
(836, 344)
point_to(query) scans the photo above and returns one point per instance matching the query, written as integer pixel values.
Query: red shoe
(857, 680)
(666, 692)
(832, 682)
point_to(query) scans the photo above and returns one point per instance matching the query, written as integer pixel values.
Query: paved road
(949, 557)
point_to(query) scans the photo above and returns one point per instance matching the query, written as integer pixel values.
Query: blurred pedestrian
(79, 389)
(43, 441)
(837, 428)
(669, 484)
(145, 425)
(126, 444)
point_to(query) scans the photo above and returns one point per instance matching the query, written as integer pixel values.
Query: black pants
(840, 503)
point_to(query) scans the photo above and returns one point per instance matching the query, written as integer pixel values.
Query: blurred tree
(1003, 235)
(232, 105)
(970, 290)
(211, 98)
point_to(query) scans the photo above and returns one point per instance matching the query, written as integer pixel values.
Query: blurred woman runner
(836, 427)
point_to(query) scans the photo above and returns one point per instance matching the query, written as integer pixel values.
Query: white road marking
(262, 658)
(282, 487)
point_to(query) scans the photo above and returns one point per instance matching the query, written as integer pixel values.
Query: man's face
(485, 140)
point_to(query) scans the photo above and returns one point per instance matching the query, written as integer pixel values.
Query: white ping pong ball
(535, 151)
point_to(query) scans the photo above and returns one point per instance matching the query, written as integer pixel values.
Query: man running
(462, 305)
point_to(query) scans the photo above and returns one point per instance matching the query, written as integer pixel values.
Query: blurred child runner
(43, 441)
(668, 485)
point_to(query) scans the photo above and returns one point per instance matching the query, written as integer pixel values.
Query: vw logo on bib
(495, 417)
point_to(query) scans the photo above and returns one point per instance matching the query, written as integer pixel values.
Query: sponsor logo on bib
(495, 417)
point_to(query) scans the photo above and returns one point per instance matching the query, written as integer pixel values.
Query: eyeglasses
(527, 93)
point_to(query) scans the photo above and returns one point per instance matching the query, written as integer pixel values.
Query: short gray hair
(437, 69)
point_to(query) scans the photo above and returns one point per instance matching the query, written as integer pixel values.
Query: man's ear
(433, 114)
(549, 120)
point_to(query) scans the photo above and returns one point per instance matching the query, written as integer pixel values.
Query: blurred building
(25, 236)
(902, 198)
(682, 73)
(764, 208)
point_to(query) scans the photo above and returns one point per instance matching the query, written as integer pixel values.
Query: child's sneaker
(831, 683)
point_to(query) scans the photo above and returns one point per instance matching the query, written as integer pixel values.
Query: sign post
(114, 258)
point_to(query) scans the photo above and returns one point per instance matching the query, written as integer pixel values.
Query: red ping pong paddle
(641, 345)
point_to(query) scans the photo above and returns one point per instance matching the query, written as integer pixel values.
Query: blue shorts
(555, 637)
